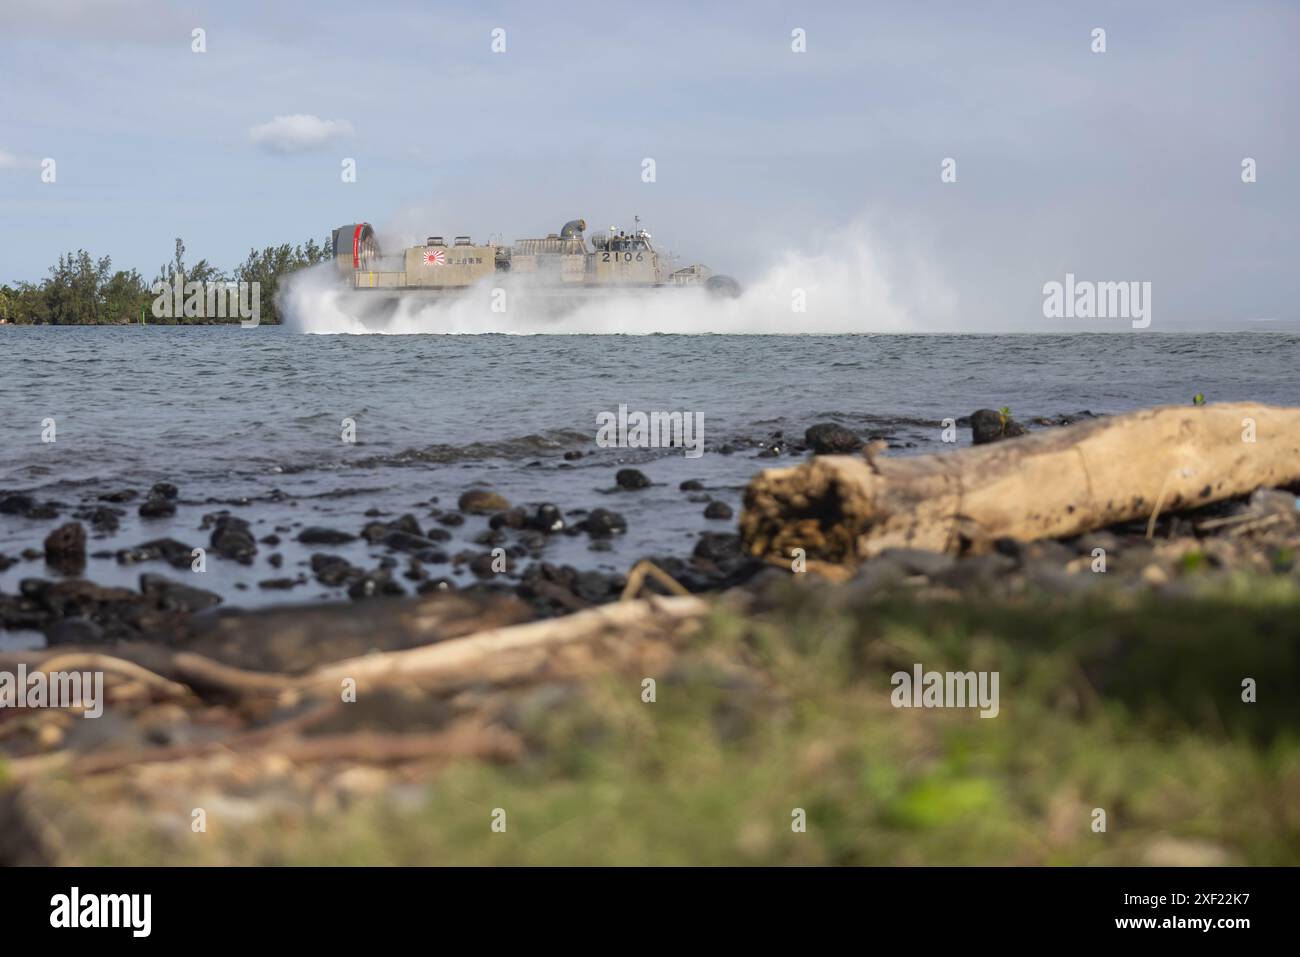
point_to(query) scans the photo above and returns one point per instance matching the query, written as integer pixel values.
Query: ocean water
(252, 420)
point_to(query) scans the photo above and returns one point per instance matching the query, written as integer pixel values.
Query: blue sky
(1124, 165)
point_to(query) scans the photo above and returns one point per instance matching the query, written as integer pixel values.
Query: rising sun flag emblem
(435, 258)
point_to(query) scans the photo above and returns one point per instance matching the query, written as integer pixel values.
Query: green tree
(83, 290)
(268, 266)
(125, 297)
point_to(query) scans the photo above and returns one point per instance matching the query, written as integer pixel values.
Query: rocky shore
(485, 547)
(451, 570)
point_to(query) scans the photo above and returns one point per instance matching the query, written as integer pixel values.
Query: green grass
(1132, 705)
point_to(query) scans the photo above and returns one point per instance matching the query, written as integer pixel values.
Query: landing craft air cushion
(559, 271)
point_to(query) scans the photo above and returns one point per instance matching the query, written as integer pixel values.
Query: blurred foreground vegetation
(1128, 703)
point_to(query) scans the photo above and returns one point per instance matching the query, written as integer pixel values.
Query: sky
(1122, 165)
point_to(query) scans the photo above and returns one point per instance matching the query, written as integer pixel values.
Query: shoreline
(124, 564)
(527, 689)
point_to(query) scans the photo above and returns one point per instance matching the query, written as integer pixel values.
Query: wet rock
(603, 523)
(482, 501)
(1069, 419)
(275, 559)
(718, 547)
(174, 596)
(316, 535)
(16, 504)
(717, 510)
(692, 485)
(556, 589)
(515, 518)
(164, 490)
(595, 587)
(407, 523)
(279, 584)
(572, 455)
(485, 564)
(153, 507)
(531, 541)
(718, 563)
(403, 534)
(830, 438)
(73, 598)
(406, 542)
(436, 586)
(770, 448)
(126, 495)
(332, 570)
(491, 537)
(174, 553)
(546, 519)
(232, 538)
(631, 479)
(451, 519)
(102, 518)
(375, 584)
(74, 631)
(65, 547)
(986, 426)
(271, 540)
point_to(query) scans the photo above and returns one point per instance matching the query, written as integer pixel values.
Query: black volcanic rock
(16, 504)
(718, 510)
(829, 438)
(174, 553)
(602, 523)
(316, 535)
(174, 596)
(482, 501)
(157, 507)
(631, 479)
(986, 426)
(65, 547)
(231, 538)
(546, 519)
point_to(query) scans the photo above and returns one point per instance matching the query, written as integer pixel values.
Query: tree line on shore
(83, 290)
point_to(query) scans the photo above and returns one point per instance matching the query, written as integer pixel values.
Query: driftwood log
(496, 654)
(1065, 481)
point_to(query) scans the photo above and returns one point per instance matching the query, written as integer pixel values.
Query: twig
(86, 661)
(646, 568)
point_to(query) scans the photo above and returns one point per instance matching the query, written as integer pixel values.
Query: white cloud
(9, 160)
(299, 132)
